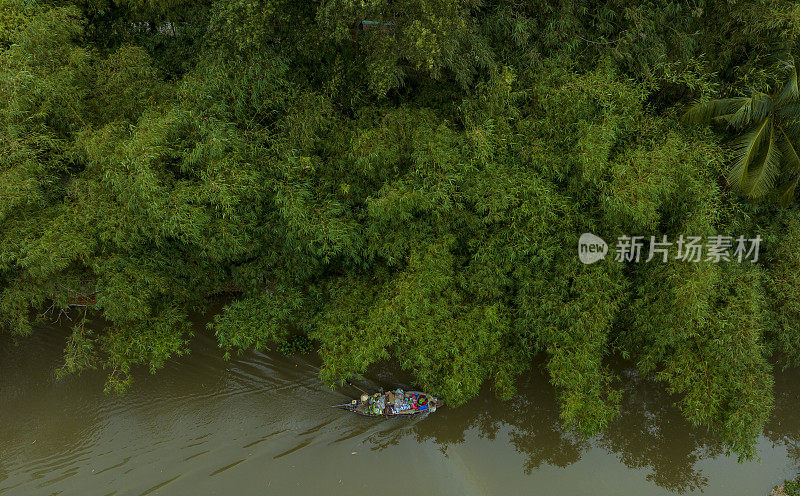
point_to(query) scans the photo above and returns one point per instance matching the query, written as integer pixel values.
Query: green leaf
(705, 112)
(746, 149)
(787, 190)
(789, 91)
(763, 177)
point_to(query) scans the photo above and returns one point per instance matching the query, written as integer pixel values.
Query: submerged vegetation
(412, 188)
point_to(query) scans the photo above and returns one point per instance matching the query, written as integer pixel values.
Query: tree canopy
(409, 179)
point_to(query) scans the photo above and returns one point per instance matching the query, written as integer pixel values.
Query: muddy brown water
(261, 424)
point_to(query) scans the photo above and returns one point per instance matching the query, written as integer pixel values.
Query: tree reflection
(784, 424)
(649, 433)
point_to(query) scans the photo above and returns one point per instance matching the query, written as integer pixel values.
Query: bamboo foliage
(414, 192)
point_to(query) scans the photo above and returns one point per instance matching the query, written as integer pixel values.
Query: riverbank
(788, 488)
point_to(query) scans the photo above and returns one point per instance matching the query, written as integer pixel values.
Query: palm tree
(766, 153)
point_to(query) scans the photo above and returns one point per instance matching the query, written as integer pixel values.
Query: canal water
(261, 424)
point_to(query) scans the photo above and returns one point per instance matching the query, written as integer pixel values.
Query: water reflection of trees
(649, 434)
(784, 425)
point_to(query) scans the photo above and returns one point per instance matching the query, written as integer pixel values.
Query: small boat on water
(397, 403)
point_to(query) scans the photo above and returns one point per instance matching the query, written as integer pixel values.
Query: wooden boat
(396, 403)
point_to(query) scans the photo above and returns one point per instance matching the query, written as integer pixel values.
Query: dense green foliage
(411, 188)
(792, 487)
(767, 150)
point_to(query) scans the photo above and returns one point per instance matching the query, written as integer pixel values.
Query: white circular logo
(591, 248)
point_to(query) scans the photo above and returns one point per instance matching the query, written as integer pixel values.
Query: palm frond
(789, 113)
(746, 149)
(787, 191)
(756, 108)
(763, 177)
(724, 118)
(789, 152)
(790, 91)
(704, 112)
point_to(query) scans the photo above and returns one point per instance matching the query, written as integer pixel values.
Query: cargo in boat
(394, 404)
